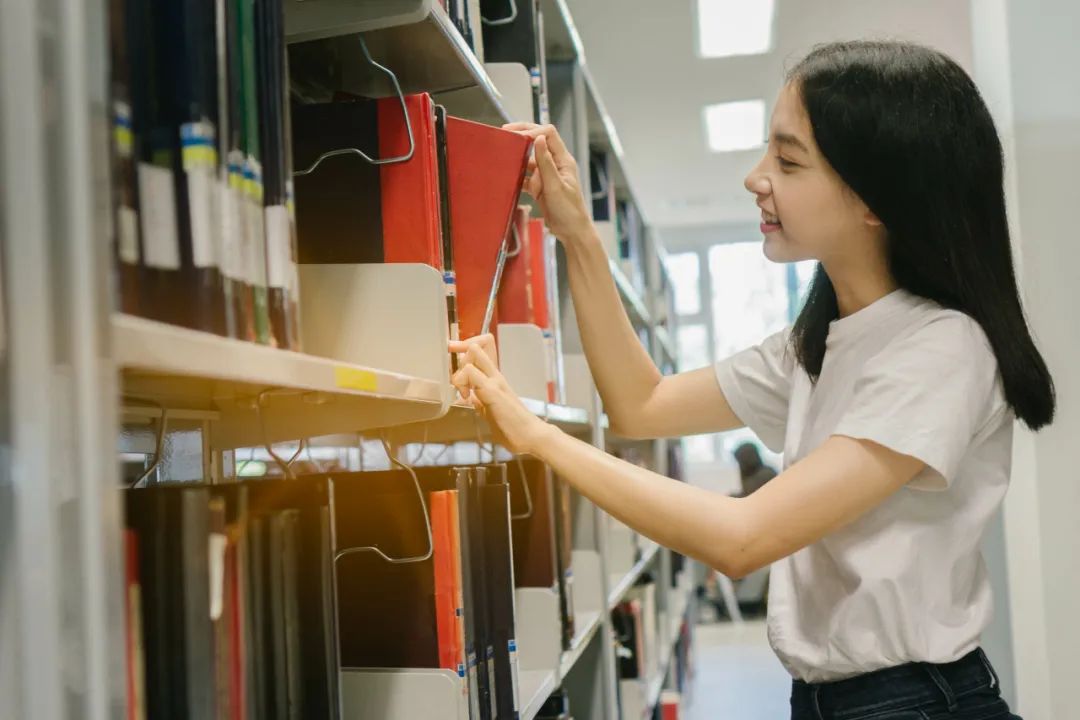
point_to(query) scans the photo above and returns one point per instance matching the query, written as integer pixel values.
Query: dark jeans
(963, 690)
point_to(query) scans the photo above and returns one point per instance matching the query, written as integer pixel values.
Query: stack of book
(204, 231)
(448, 604)
(447, 204)
(229, 601)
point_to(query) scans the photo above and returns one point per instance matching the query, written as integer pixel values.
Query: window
(693, 341)
(735, 126)
(734, 27)
(699, 449)
(749, 296)
(685, 269)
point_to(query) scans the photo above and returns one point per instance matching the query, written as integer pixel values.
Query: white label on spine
(201, 201)
(218, 545)
(231, 242)
(127, 235)
(161, 244)
(512, 647)
(278, 246)
(256, 259)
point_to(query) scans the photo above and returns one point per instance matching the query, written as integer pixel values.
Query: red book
(412, 229)
(445, 593)
(538, 285)
(515, 292)
(487, 166)
(134, 651)
(669, 705)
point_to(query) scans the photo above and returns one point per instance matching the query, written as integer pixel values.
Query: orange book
(538, 279)
(445, 596)
(459, 592)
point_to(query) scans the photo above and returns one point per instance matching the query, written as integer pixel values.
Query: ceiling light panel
(734, 126)
(734, 27)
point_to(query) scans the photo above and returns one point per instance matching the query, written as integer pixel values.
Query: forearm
(624, 373)
(706, 526)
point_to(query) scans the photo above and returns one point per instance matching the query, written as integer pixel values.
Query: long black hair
(906, 129)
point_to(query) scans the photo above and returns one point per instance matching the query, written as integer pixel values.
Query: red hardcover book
(487, 165)
(669, 705)
(538, 279)
(515, 292)
(349, 211)
(134, 650)
(412, 229)
(445, 595)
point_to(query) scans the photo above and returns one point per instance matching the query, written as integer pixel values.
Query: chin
(778, 249)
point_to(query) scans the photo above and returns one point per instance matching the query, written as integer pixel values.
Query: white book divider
(515, 88)
(632, 698)
(394, 694)
(523, 359)
(588, 608)
(622, 547)
(537, 624)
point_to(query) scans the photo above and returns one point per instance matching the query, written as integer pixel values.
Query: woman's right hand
(552, 180)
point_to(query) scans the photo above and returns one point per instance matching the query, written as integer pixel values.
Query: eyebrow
(788, 139)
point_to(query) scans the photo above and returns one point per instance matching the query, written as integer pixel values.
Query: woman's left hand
(482, 384)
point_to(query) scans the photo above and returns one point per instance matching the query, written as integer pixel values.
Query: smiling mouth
(770, 219)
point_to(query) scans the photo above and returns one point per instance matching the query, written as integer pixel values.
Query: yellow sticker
(354, 379)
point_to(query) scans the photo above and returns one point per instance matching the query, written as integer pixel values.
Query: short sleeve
(928, 397)
(756, 383)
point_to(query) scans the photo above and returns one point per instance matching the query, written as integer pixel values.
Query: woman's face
(807, 212)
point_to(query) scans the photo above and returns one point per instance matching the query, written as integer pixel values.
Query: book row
(245, 600)
(224, 182)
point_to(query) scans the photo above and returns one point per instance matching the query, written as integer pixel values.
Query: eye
(786, 164)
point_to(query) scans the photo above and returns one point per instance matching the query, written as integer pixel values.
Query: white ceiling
(642, 54)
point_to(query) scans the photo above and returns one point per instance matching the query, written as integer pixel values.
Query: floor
(737, 676)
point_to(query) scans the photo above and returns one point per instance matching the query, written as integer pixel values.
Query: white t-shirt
(906, 581)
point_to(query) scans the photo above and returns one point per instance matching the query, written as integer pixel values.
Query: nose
(757, 182)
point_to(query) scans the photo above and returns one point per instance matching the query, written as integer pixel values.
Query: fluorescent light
(734, 27)
(735, 125)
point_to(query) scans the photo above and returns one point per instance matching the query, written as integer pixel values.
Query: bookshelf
(82, 380)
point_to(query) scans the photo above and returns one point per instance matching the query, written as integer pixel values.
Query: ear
(871, 219)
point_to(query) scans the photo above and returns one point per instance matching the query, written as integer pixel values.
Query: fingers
(472, 383)
(549, 172)
(480, 359)
(485, 342)
(550, 133)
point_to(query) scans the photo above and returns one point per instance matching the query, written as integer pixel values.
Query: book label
(127, 235)
(278, 246)
(161, 243)
(199, 158)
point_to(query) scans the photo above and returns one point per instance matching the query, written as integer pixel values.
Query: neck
(858, 285)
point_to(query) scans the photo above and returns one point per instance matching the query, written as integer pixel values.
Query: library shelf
(415, 39)
(623, 585)
(263, 394)
(587, 624)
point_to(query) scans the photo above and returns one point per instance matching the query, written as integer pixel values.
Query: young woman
(892, 397)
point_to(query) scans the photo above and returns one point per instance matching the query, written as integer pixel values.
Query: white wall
(1026, 62)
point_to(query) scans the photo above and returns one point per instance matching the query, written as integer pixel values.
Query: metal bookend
(356, 151)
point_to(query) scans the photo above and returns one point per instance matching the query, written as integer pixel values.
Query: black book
(183, 277)
(344, 193)
(564, 551)
(311, 564)
(260, 692)
(272, 89)
(499, 570)
(127, 246)
(600, 185)
(449, 274)
(386, 612)
(517, 41)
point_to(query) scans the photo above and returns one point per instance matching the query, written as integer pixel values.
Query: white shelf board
(416, 39)
(535, 687)
(620, 588)
(586, 625)
(462, 423)
(192, 370)
(629, 294)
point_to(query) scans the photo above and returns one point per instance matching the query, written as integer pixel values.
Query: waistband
(903, 686)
